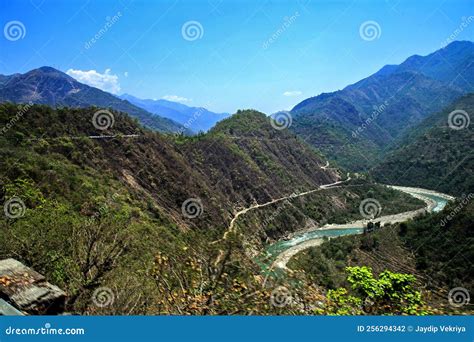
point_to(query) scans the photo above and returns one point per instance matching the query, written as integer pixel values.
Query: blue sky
(267, 55)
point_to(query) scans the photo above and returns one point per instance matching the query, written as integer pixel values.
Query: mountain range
(196, 119)
(52, 87)
(108, 211)
(221, 170)
(357, 125)
(154, 216)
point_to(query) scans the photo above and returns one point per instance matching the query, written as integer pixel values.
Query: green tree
(392, 293)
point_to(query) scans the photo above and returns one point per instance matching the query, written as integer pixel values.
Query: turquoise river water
(272, 251)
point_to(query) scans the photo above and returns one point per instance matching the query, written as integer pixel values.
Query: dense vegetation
(435, 156)
(390, 293)
(108, 212)
(444, 243)
(434, 248)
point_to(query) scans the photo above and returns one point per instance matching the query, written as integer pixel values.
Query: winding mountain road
(231, 227)
(293, 195)
(243, 211)
(283, 258)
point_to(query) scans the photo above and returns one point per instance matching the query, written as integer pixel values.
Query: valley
(116, 200)
(174, 209)
(435, 202)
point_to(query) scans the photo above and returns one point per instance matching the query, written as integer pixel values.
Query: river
(278, 254)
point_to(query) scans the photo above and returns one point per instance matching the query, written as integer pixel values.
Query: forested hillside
(355, 126)
(123, 207)
(434, 248)
(437, 154)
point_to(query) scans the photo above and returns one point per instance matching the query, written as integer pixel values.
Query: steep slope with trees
(434, 248)
(437, 154)
(93, 209)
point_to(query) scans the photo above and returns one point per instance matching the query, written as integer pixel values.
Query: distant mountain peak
(195, 118)
(48, 69)
(49, 86)
(459, 43)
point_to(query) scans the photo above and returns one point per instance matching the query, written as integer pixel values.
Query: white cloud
(176, 98)
(106, 81)
(292, 93)
(125, 73)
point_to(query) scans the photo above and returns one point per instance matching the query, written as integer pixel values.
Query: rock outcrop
(28, 291)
